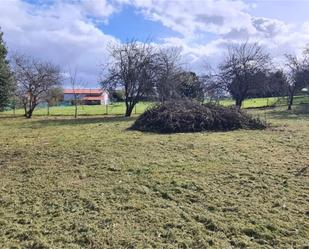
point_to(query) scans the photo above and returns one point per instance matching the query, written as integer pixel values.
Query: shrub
(117, 96)
(188, 116)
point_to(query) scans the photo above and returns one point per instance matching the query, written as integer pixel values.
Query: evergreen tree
(5, 75)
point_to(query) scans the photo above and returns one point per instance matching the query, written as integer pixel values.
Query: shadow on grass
(81, 121)
(297, 112)
(5, 116)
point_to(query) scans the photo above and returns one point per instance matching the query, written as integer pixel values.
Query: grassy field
(83, 110)
(90, 183)
(267, 102)
(119, 108)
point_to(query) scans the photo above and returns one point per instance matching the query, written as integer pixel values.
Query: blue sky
(288, 10)
(130, 23)
(77, 33)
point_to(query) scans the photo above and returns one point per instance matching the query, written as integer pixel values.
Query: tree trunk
(291, 90)
(291, 97)
(129, 109)
(29, 113)
(75, 113)
(238, 103)
(47, 109)
(25, 109)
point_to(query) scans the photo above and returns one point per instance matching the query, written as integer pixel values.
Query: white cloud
(61, 32)
(189, 17)
(305, 27)
(227, 21)
(99, 8)
(67, 32)
(270, 27)
(197, 55)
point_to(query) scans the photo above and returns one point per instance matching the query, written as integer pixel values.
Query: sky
(76, 34)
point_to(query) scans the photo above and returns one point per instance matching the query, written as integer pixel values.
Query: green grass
(90, 183)
(266, 102)
(83, 110)
(119, 108)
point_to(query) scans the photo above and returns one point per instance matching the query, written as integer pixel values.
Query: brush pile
(188, 116)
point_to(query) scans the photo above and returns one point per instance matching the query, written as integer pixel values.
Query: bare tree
(168, 71)
(75, 84)
(238, 74)
(211, 89)
(134, 69)
(53, 96)
(297, 74)
(33, 78)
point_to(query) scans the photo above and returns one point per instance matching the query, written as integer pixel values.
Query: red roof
(83, 91)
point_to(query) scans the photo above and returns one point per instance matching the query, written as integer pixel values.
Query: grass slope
(90, 183)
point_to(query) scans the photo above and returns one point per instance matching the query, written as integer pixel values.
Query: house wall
(70, 96)
(105, 100)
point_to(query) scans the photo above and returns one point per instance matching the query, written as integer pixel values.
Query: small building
(86, 96)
